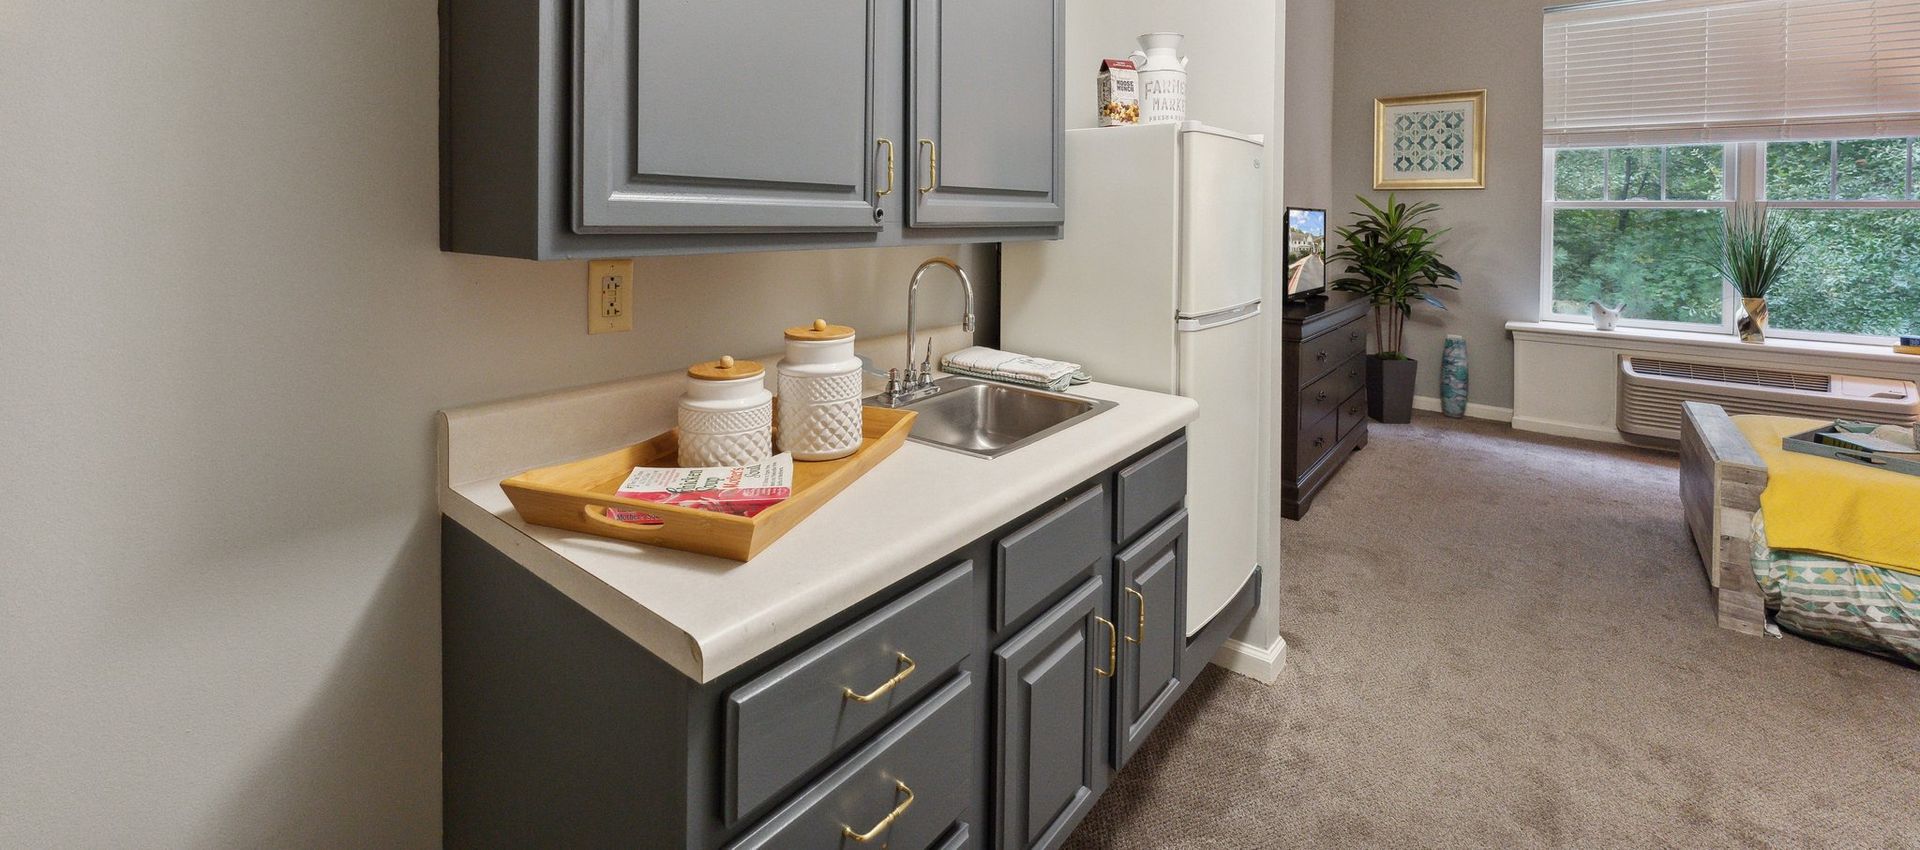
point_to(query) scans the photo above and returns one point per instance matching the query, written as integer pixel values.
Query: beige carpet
(1497, 640)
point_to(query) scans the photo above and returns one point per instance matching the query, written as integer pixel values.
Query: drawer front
(1150, 487)
(793, 718)
(1315, 442)
(1325, 352)
(1035, 563)
(1353, 412)
(906, 788)
(1323, 396)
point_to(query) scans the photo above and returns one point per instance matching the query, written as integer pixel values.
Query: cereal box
(1118, 93)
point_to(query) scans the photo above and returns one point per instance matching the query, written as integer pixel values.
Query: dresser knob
(1321, 356)
(1353, 337)
(1319, 441)
(1322, 396)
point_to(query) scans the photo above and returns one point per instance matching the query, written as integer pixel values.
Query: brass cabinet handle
(871, 834)
(1113, 648)
(886, 686)
(1141, 600)
(888, 143)
(933, 166)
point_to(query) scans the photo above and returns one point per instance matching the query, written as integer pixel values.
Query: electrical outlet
(609, 296)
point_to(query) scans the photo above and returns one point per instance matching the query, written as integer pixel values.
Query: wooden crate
(575, 496)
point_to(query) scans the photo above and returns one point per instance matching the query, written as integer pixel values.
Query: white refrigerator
(1157, 285)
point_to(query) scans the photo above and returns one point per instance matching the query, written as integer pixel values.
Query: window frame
(1745, 176)
(1551, 204)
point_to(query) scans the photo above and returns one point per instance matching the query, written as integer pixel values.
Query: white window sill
(1875, 359)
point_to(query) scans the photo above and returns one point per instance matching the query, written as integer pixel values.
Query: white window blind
(1654, 72)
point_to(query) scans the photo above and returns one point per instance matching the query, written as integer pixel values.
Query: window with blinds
(1664, 72)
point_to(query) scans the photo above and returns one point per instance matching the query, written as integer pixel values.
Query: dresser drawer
(1323, 396)
(1325, 352)
(794, 717)
(1149, 488)
(1037, 562)
(1316, 440)
(905, 789)
(1353, 411)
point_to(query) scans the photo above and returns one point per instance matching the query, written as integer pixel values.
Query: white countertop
(706, 616)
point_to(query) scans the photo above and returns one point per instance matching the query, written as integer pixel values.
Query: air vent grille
(1741, 375)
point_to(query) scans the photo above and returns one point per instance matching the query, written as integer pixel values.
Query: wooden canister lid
(819, 331)
(724, 369)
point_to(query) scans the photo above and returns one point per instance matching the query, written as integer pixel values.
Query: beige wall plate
(609, 296)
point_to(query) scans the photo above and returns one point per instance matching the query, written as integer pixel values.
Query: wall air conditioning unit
(1652, 389)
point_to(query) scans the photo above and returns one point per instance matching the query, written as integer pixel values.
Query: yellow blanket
(1832, 507)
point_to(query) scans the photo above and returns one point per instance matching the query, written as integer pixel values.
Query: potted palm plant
(1753, 258)
(1391, 260)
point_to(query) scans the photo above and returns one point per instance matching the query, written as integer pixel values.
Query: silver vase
(1751, 320)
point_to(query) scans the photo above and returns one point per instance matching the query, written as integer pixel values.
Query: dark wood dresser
(1323, 417)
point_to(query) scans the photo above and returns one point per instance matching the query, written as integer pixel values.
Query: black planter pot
(1390, 389)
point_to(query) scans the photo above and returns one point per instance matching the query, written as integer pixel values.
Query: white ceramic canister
(1163, 78)
(820, 387)
(726, 416)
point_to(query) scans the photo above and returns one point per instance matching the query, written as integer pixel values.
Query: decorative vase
(1605, 318)
(1390, 389)
(1453, 377)
(1163, 78)
(1751, 320)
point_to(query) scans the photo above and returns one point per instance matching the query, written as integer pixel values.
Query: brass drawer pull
(881, 691)
(889, 190)
(933, 166)
(871, 834)
(1141, 600)
(1113, 648)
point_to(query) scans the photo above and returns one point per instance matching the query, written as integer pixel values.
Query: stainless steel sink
(987, 420)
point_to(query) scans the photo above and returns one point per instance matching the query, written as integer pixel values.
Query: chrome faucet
(916, 384)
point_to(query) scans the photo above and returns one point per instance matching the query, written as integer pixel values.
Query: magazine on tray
(739, 490)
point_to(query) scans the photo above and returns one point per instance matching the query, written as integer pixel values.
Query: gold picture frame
(1431, 141)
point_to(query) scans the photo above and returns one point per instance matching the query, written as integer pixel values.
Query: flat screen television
(1306, 253)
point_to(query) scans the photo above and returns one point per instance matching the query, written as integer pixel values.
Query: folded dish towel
(1831, 507)
(996, 365)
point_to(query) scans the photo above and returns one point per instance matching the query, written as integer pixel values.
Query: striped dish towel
(996, 365)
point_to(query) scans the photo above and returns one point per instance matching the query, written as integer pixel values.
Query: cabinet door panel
(1051, 760)
(986, 82)
(724, 116)
(1152, 614)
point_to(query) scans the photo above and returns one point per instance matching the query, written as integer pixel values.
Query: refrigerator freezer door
(1223, 211)
(1223, 486)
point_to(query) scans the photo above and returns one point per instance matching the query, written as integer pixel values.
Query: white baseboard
(1575, 430)
(1261, 664)
(1474, 411)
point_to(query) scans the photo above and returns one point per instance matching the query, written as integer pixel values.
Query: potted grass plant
(1753, 258)
(1392, 261)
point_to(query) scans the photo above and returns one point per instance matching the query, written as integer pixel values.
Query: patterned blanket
(1854, 605)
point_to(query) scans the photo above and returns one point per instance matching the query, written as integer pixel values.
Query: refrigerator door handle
(1217, 318)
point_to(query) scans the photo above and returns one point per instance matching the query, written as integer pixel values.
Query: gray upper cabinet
(614, 128)
(725, 115)
(986, 113)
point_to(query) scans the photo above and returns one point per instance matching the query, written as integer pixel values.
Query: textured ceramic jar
(726, 416)
(820, 393)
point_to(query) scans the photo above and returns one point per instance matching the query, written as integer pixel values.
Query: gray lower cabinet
(1152, 610)
(964, 707)
(1050, 742)
(613, 128)
(986, 114)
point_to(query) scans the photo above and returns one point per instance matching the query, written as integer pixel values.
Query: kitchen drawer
(908, 786)
(1150, 487)
(1316, 440)
(1323, 396)
(1353, 411)
(1328, 351)
(1038, 562)
(794, 717)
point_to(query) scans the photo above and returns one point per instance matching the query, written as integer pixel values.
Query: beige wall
(1309, 103)
(227, 326)
(1400, 47)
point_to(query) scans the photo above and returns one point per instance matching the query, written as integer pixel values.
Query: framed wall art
(1431, 141)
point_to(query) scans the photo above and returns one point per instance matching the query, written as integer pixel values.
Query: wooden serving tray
(575, 496)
